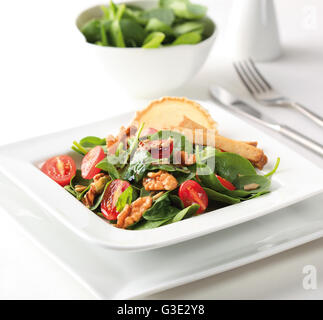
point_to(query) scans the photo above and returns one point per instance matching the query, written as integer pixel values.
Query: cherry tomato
(191, 192)
(90, 160)
(148, 132)
(110, 198)
(61, 169)
(226, 183)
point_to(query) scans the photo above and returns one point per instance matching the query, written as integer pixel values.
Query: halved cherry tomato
(61, 169)
(226, 183)
(90, 160)
(148, 132)
(110, 198)
(191, 192)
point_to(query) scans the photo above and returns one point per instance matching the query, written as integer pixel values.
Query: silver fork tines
(263, 92)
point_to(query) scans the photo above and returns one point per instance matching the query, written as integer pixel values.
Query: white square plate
(296, 180)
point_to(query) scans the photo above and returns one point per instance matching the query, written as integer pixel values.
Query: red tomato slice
(110, 198)
(191, 192)
(226, 183)
(61, 169)
(90, 160)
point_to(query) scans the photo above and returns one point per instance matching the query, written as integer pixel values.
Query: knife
(236, 105)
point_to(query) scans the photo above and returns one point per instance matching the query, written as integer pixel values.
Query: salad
(145, 178)
(172, 22)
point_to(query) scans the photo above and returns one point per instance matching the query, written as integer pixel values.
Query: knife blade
(229, 101)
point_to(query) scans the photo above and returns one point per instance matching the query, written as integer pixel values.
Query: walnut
(160, 180)
(96, 187)
(133, 213)
(123, 215)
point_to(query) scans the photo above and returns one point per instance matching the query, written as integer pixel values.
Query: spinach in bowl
(172, 22)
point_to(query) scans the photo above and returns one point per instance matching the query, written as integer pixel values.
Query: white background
(48, 83)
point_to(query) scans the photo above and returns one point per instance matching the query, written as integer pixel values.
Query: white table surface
(47, 84)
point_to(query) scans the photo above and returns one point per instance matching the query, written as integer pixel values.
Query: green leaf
(116, 34)
(78, 148)
(71, 190)
(79, 180)
(109, 168)
(161, 209)
(148, 224)
(104, 37)
(91, 142)
(230, 165)
(99, 199)
(124, 198)
(269, 174)
(176, 201)
(220, 197)
(184, 8)
(91, 30)
(133, 33)
(153, 40)
(264, 183)
(186, 213)
(120, 11)
(188, 38)
(164, 15)
(187, 27)
(155, 25)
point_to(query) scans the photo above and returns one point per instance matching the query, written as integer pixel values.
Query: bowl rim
(200, 44)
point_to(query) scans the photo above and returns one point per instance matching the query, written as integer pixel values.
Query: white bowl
(148, 72)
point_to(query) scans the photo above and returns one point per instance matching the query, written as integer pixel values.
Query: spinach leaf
(154, 40)
(176, 201)
(71, 190)
(91, 30)
(124, 198)
(264, 183)
(161, 209)
(91, 142)
(164, 15)
(186, 213)
(220, 197)
(133, 33)
(269, 174)
(155, 25)
(188, 38)
(78, 148)
(208, 27)
(184, 8)
(144, 192)
(104, 37)
(188, 26)
(99, 199)
(108, 167)
(230, 165)
(116, 34)
(78, 179)
(148, 224)
(169, 168)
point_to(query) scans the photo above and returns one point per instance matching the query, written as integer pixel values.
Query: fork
(263, 92)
